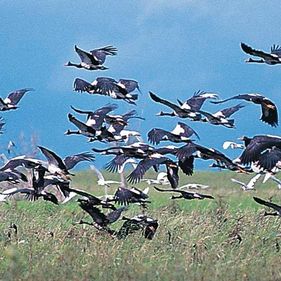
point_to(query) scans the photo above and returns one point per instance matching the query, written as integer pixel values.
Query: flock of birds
(50, 179)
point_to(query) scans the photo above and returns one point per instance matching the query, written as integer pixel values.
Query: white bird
(271, 176)
(194, 186)
(250, 185)
(161, 179)
(232, 145)
(101, 179)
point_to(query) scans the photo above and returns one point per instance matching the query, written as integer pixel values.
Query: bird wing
(116, 163)
(53, 158)
(96, 118)
(114, 215)
(156, 135)
(186, 151)
(247, 97)
(256, 146)
(208, 115)
(249, 50)
(81, 85)
(3, 105)
(187, 165)
(268, 204)
(123, 196)
(269, 112)
(197, 100)
(14, 97)
(80, 125)
(101, 53)
(269, 159)
(128, 85)
(227, 112)
(95, 213)
(276, 50)
(97, 172)
(144, 165)
(165, 102)
(184, 130)
(86, 57)
(72, 160)
(93, 199)
(173, 174)
(106, 86)
(2, 123)
(81, 111)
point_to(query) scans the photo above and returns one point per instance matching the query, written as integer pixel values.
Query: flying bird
(181, 133)
(269, 109)
(257, 145)
(248, 186)
(221, 117)
(125, 196)
(272, 58)
(107, 86)
(11, 101)
(185, 194)
(177, 109)
(61, 167)
(276, 207)
(139, 222)
(94, 59)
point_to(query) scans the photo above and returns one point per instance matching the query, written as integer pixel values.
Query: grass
(223, 239)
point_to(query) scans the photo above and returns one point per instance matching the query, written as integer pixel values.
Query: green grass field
(224, 239)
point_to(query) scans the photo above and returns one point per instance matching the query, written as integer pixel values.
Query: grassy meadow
(223, 239)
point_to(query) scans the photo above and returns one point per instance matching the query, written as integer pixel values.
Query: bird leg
(256, 61)
(161, 113)
(69, 132)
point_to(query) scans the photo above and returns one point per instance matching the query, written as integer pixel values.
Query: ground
(223, 239)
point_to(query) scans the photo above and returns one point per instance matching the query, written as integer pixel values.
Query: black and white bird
(83, 128)
(269, 109)
(144, 165)
(126, 196)
(185, 194)
(11, 101)
(95, 119)
(177, 110)
(221, 117)
(188, 109)
(140, 222)
(93, 60)
(196, 102)
(257, 145)
(276, 207)
(272, 58)
(99, 218)
(58, 166)
(106, 86)
(181, 133)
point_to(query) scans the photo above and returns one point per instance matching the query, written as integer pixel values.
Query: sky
(172, 48)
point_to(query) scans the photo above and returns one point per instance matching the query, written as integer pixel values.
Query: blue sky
(172, 48)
